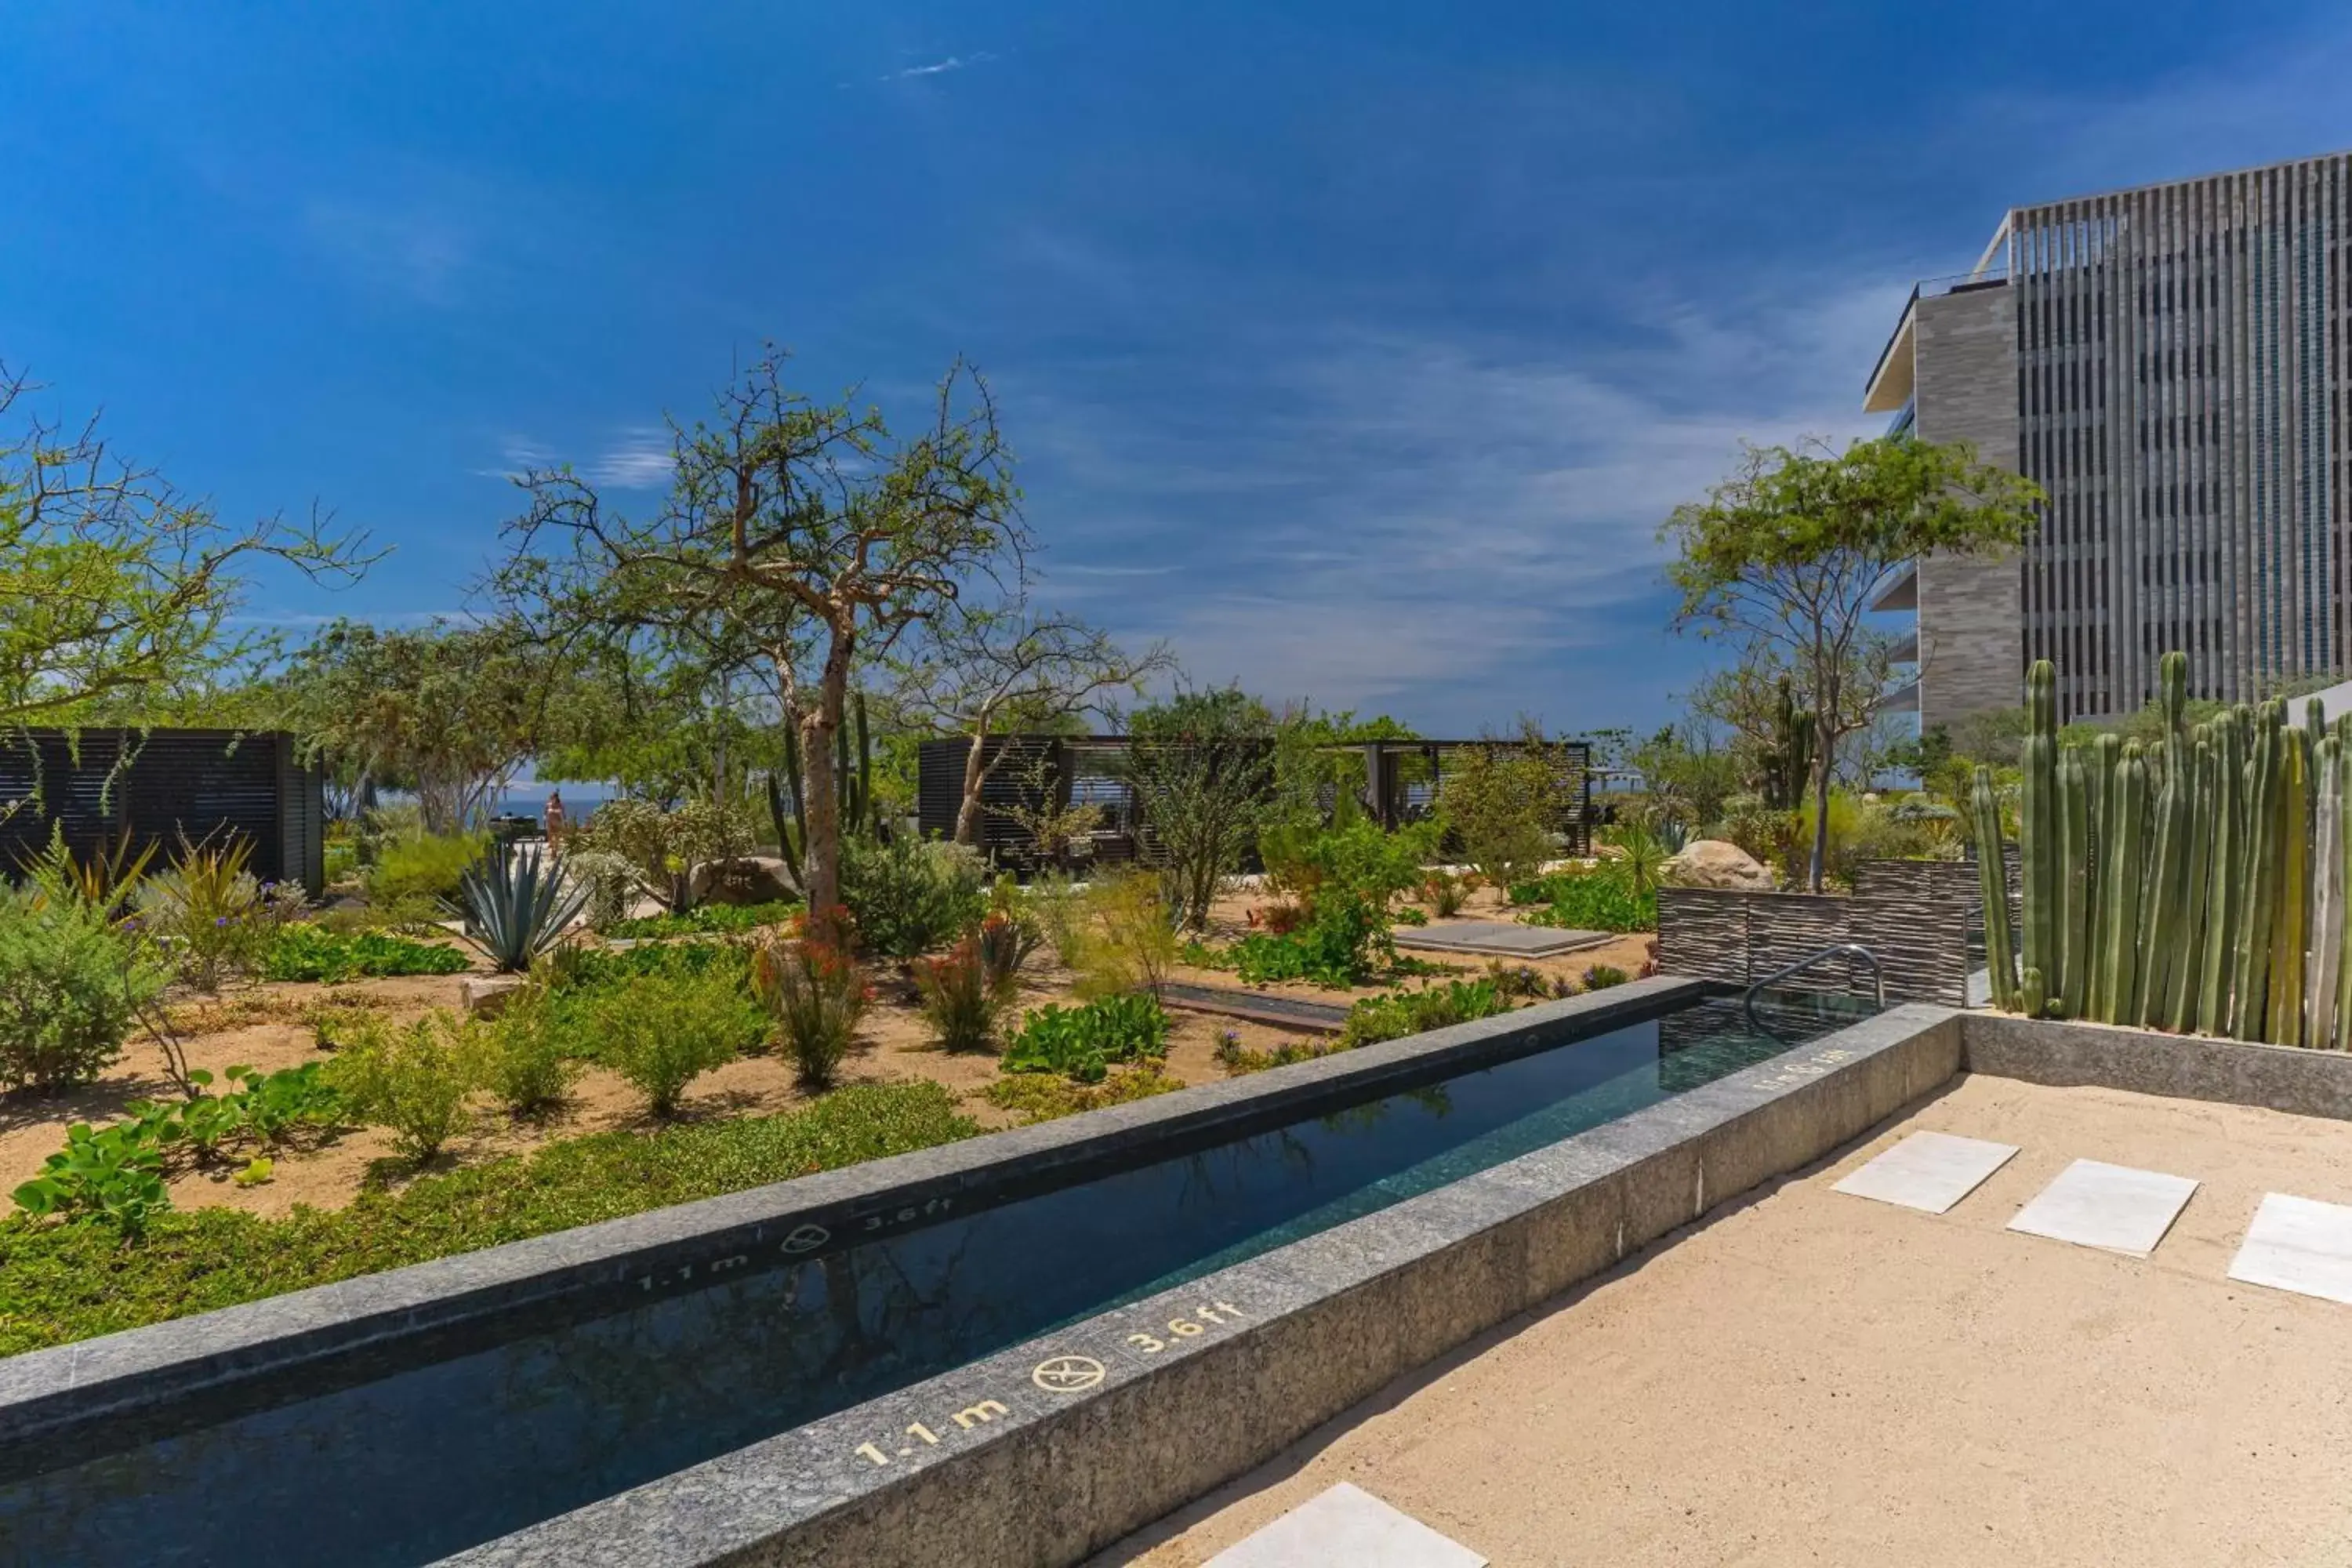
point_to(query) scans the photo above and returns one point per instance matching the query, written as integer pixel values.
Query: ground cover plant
(1041, 1097)
(1587, 900)
(1401, 1013)
(709, 920)
(70, 1281)
(309, 952)
(1082, 1043)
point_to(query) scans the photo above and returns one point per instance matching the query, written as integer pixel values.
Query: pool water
(428, 1460)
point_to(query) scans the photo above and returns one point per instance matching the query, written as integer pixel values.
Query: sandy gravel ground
(1814, 1378)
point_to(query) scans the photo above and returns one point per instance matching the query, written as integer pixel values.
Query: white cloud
(412, 250)
(641, 459)
(941, 67)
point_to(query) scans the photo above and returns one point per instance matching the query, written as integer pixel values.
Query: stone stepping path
(1928, 1171)
(1496, 939)
(1258, 1007)
(2113, 1207)
(1347, 1526)
(2299, 1245)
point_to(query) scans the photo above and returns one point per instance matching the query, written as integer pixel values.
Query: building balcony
(1901, 593)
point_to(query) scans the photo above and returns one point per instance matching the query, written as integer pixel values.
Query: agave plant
(517, 904)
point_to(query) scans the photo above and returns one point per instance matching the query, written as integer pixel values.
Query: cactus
(2225, 884)
(2161, 905)
(2039, 826)
(2184, 939)
(2116, 984)
(1788, 762)
(2031, 995)
(1992, 885)
(2327, 897)
(2247, 1014)
(2074, 896)
(853, 790)
(2285, 1023)
(2099, 797)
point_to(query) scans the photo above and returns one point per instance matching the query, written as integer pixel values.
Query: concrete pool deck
(1808, 1376)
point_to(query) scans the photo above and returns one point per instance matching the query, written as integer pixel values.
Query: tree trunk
(821, 852)
(1820, 816)
(976, 774)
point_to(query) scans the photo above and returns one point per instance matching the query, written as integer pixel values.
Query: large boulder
(1715, 863)
(753, 879)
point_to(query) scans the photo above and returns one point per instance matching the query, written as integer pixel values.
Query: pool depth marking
(1063, 1375)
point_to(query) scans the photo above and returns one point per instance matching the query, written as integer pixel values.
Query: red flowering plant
(818, 994)
(962, 1000)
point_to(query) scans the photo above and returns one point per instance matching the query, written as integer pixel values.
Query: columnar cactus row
(2198, 883)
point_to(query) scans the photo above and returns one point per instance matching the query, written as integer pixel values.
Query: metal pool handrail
(1842, 949)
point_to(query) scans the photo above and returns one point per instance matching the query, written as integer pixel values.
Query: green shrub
(706, 920)
(1402, 1013)
(905, 897)
(523, 1055)
(1081, 1043)
(114, 1174)
(664, 1031)
(1445, 891)
(1237, 1058)
(1498, 802)
(817, 995)
(1344, 942)
(1039, 1097)
(70, 1282)
(306, 951)
(71, 990)
(209, 915)
(424, 869)
(410, 1080)
(1126, 935)
(1587, 900)
(1007, 935)
(1602, 977)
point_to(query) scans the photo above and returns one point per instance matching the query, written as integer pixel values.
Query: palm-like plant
(518, 903)
(1640, 858)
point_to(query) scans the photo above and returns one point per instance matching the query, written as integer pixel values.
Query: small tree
(982, 670)
(1788, 554)
(1201, 766)
(803, 531)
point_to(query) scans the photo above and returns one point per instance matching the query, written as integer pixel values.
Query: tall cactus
(1992, 885)
(2107, 753)
(2264, 774)
(2074, 895)
(2117, 982)
(2225, 881)
(2039, 827)
(2285, 1026)
(2184, 939)
(853, 790)
(2161, 905)
(2327, 965)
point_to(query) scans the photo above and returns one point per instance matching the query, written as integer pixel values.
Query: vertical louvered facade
(2181, 356)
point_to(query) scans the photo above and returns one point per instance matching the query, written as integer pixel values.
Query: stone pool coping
(1047, 1452)
(596, 1267)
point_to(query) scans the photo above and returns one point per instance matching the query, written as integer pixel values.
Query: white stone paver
(1930, 1170)
(1346, 1526)
(2113, 1207)
(2299, 1245)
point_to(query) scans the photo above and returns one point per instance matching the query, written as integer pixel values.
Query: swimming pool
(418, 1461)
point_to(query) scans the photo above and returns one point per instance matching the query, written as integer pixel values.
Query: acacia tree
(450, 711)
(805, 531)
(981, 670)
(1788, 554)
(117, 590)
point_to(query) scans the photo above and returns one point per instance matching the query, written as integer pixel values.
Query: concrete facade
(2175, 378)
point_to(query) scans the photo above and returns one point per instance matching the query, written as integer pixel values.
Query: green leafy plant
(306, 951)
(1445, 891)
(1600, 976)
(1402, 1013)
(70, 991)
(1640, 855)
(1042, 1097)
(114, 1174)
(817, 995)
(209, 914)
(1129, 940)
(1343, 943)
(706, 920)
(663, 847)
(665, 1030)
(412, 1080)
(907, 898)
(962, 1001)
(524, 1054)
(422, 869)
(518, 904)
(106, 879)
(1082, 1043)
(1498, 801)
(1587, 900)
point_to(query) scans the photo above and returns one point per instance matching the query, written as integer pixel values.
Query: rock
(753, 879)
(1714, 863)
(486, 995)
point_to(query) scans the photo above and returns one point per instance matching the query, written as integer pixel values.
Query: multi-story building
(2169, 363)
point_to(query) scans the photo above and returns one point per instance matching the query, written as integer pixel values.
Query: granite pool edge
(1176, 1394)
(145, 1366)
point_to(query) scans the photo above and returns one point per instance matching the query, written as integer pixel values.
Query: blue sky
(1357, 350)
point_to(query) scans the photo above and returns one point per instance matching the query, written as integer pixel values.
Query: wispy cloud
(411, 250)
(641, 459)
(941, 67)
